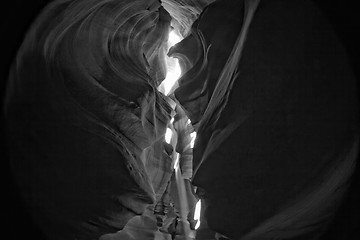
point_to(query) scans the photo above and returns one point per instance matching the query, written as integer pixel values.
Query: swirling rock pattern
(266, 85)
(84, 117)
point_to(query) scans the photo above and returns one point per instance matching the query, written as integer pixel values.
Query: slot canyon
(181, 120)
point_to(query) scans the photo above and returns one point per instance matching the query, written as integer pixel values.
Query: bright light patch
(192, 141)
(168, 135)
(197, 214)
(176, 162)
(173, 38)
(173, 67)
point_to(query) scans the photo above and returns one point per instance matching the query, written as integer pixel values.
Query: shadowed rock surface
(285, 128)
(277, 124)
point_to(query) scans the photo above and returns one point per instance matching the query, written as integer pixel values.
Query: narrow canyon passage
(181, 119)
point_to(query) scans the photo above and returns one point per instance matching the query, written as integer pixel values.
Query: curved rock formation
(283, 130)
(266, 84)
(85, 83)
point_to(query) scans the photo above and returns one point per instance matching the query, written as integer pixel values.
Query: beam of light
(173, 67)
(176, 162)
(197, 214)
(166, 87)
(168, 135)
(192, 141)
(184, 207)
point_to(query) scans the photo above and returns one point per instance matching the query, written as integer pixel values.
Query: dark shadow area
(16, 17)
(342, 16)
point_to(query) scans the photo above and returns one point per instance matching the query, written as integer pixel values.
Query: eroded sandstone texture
(266, 85)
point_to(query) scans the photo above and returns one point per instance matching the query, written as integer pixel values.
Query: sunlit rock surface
(184, 12)
(277, 138)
